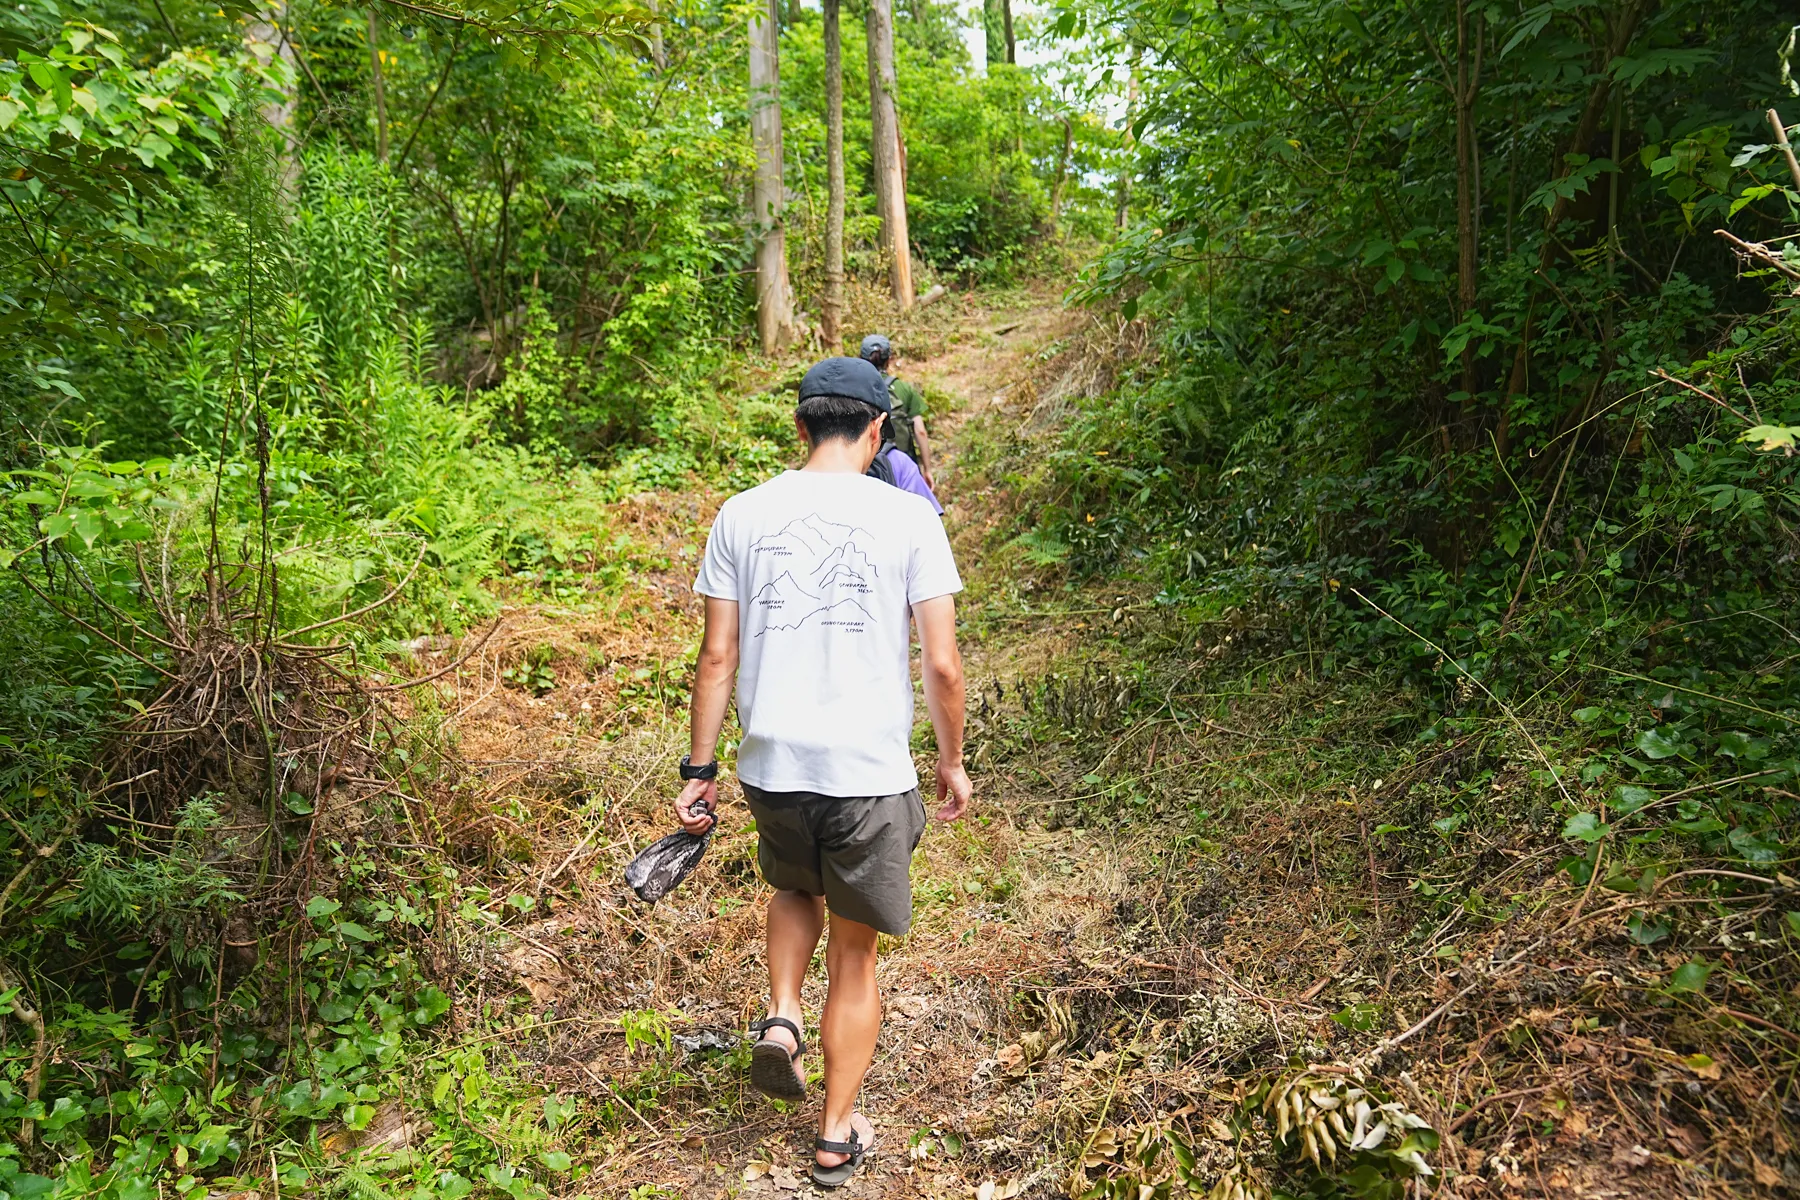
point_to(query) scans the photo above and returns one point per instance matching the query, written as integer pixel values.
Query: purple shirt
(908, 478)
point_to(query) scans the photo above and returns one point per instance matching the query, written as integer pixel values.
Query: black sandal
(838, 1176)
(772, 1069)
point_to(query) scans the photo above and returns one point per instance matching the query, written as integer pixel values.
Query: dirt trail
(1115, 989)
(572, 794)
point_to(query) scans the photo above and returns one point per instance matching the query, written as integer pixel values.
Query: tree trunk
(1618, 40)
(658, 52)
(887, 153)
(268, 41)
(993, 28)
(381, 116)
(1062, 177)
(774, 299)
(1012, 49)
(1467, 86)
(1123, 216)
(831, 315)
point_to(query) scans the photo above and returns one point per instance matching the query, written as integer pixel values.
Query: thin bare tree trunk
(831, 316)
(888, 155)
(381, 116)
(1467, 85)
(1012, 49)
(774, 298)
(1062, 177)
(658, 52)
(1123, 216)
(993, 28)
(267, 39)
(1618, 39)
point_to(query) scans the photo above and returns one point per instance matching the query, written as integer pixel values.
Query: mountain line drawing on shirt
(782, 592)
(823, 576)
(830, 614)
(811, 533)
(851, 560)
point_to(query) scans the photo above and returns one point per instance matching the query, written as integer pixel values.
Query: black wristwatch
(704, 771)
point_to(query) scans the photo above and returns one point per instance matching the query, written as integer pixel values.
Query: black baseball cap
(875, 346)
(852, 378)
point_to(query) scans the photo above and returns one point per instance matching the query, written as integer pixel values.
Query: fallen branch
(1469, 1114)
(1781, 138)
(629, 1107)
(442, 671)
(1757, 252)
(26, 1013)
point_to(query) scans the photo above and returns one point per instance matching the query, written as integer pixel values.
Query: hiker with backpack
(908, 420)
(813, 582)
(892, 466)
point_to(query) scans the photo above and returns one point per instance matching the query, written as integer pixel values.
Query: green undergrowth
(1268, 803)
(185, 1017)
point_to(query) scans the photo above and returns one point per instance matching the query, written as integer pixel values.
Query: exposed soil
(1091, 986)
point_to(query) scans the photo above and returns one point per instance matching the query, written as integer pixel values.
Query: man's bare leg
(847, 1031)
(795, 922)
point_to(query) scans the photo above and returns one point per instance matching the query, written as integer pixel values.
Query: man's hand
(695, 806)
(953, 783)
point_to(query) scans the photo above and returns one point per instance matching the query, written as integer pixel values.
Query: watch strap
(703, 771)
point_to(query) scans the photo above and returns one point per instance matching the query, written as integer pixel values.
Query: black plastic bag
(660, 868)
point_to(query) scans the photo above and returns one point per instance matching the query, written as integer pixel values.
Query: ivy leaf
(1754, 849)
(1628, 798)
(556, 1160)
(333, 1011)
(1585, 827)
(321, 906)
(1734, 743)
(1646, 930)
(433, 1003)
(1690, 976)
(1360, 1016)
(1657, 744)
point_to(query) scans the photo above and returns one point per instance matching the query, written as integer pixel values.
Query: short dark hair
(827, 417)
(879, 359)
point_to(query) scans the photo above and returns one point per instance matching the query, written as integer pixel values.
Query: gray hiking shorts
(856, 851)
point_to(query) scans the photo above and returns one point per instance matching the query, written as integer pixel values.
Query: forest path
(570, 795)
(1104, 987)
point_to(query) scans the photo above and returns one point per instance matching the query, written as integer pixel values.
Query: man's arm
(714, 675)
(923, 445)
(943, 671)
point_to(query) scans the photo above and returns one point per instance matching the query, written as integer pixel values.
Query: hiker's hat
(852, 378)
(876, 346)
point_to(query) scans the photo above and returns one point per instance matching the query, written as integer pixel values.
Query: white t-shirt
(825, 568)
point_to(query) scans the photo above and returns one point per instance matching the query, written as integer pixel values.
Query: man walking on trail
(908, 421)
(811, 581)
